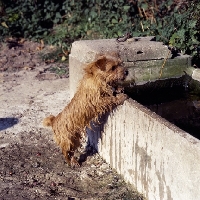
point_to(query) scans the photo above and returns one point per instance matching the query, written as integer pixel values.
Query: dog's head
(108, 69)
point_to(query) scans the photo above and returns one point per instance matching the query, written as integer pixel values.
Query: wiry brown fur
(96, 94)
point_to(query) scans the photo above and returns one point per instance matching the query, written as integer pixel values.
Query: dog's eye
(114, 67)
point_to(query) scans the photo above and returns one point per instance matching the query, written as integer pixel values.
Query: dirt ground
(31, 165)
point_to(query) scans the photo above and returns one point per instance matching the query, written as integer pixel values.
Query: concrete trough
(159, 159)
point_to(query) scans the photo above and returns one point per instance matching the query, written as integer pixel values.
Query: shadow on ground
(7, 122)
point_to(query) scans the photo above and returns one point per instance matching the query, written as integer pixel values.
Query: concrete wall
(159, 159)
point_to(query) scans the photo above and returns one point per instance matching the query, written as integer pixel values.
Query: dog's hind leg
(69, 156)
(74, 162)
(65, 151)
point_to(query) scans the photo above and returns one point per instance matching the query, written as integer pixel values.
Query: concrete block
(158, 158)
(141, 48)
(151, 70)
(75, 73)
(143, 57)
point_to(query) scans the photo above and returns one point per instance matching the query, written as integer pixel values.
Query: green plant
(61, 22)
(29, 19)
(177, 27)
(91, 20)
(61, 70)
(51, 56)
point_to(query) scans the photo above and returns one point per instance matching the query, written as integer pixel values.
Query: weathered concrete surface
(136, 49)
(144, 71)
(144, 58)
(159, 159)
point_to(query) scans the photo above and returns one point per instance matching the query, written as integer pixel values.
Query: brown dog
(97, 93)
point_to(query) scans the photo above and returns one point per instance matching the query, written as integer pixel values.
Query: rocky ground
(31, 165)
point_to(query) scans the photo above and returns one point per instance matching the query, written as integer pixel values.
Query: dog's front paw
(74, 162)
(119, 90)
(121, 97)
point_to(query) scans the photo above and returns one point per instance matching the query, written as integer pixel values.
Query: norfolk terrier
(97, 94)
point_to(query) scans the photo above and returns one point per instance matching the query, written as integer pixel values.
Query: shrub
(174, 25)
(29, 19)
(61, 22)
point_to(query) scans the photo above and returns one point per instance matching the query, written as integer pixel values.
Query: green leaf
(126, 8)
(48, 16)
(93, 14)
(192, 24)
(58, 15)
(181, 33)
(114, 21)
(144, 6)
(169, 2)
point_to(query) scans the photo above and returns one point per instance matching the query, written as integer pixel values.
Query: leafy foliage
(92, 19)
(30, 19)
(176, 28)
(176, 22)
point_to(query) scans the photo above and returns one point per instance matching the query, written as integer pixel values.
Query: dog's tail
(48, 121)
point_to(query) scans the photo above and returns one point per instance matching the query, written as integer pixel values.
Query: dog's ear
(101, 63)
